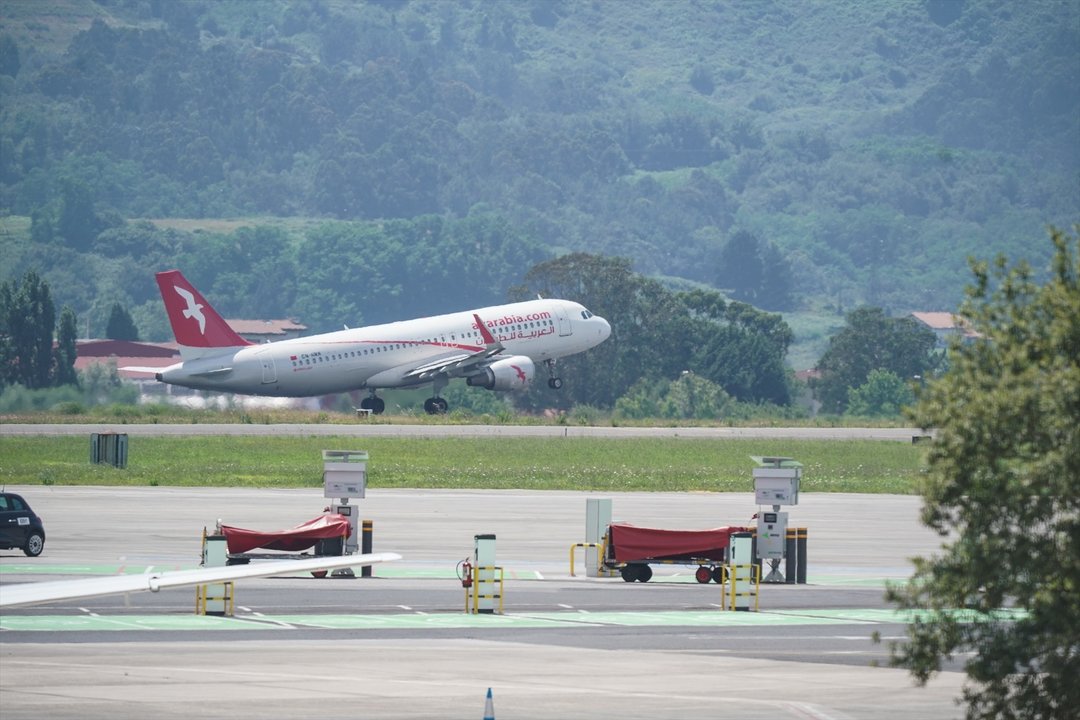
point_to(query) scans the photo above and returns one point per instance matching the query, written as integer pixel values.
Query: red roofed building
(945, 325)
(125, 353)
(259, 331)
(125, 348)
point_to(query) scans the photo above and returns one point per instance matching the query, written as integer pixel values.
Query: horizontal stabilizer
(137, 368)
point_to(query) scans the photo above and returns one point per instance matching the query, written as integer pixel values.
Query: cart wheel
(719, 574)
(644, 573)
(629, 573)
(703, 574)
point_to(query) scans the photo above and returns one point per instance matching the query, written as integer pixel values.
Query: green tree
(101, 384)
(882, 395)
(747, 364)
(77, 223)
(693, 397)
(639, 345)
(755, 271)
(641, 400)
(120, 325)
(689, 396)
(27, 318)
(64, 354)
(658, 335)
(9, 56)
(41, 227)
(1003, 490)
(870, 340)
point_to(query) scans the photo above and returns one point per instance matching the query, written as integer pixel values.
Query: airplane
(39, 593)
(496, 348)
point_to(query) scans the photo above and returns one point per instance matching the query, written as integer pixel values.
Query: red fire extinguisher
(466, 573)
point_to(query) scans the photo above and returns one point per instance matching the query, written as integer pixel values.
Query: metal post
(597, 520)
(366, 538)
(791, 558)
(800, 543)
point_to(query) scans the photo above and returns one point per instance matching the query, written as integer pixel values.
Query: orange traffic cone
(489, 707)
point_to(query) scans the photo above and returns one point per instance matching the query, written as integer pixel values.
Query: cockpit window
(585, 314)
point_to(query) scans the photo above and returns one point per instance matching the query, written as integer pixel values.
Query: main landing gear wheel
(436, 406)
(554, 381)
(375, 404)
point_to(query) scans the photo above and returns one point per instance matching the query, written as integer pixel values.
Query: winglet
(489, 339)
(194, 321)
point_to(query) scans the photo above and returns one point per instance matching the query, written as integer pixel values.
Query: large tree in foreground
(1003, 488)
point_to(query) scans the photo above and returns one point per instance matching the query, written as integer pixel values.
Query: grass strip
(593, 464)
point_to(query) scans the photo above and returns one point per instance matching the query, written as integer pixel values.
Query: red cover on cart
(631, 543)
(295, 539)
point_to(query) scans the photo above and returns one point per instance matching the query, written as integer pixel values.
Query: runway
(373, 428)
(399, 646)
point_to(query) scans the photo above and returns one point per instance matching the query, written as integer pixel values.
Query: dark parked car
(20, 527)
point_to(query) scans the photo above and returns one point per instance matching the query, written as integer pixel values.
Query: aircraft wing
(453, 366)
(461, 365)
(37, 593)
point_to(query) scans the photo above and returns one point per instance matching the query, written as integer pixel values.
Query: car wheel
(34, 544)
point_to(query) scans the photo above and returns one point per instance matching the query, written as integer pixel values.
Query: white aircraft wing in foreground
(38, 593)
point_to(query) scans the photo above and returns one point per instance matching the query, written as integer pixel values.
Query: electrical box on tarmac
(776, 481)
(771, 534)
(344, 477)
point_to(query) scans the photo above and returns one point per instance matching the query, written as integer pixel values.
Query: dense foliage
(871, 341)
(660, 336)
(28, 357)
(1003, 490)
(866, 148)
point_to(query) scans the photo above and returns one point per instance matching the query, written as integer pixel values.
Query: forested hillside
(795, 155)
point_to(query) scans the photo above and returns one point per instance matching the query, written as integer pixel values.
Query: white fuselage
(385, 356)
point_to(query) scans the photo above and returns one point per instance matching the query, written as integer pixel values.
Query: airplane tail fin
(194, 321)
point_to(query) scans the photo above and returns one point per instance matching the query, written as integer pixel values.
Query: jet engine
(512, 373)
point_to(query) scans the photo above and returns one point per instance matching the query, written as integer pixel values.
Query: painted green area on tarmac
(43, 569)
(417, 621)
(85, 623)
(428, 572)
